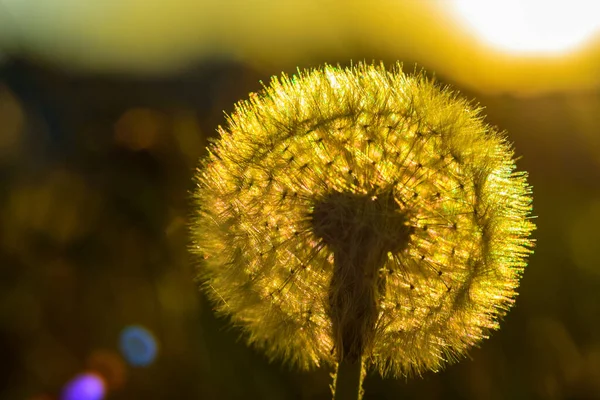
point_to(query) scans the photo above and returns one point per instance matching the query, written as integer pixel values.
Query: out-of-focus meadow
(104, 113)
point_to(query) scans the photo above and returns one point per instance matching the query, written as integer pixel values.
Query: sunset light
(532, 26)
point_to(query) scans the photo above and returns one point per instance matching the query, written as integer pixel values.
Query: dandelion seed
(361, 213)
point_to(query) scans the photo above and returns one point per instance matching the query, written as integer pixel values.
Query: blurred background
(106, 107)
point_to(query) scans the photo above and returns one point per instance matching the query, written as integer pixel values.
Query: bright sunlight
(533, 26)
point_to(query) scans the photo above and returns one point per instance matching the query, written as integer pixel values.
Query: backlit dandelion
(361, 214)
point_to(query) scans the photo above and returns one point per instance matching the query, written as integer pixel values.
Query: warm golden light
(361, 212)
(537, 26)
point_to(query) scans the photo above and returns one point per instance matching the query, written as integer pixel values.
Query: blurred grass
(96, 174)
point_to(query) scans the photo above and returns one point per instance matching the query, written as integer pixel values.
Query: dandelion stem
(360, 230)
(348, 380)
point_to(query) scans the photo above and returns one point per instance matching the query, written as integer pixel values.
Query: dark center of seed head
(360, 230)
(345, 221)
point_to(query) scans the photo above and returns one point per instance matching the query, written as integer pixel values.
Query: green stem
(348, 380)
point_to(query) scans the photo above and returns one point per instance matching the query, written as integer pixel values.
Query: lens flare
(85, 386)
(138, 346)
(535, 26)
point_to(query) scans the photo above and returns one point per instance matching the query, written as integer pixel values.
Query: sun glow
(534, 26)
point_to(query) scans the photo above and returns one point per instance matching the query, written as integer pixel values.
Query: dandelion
(361, 217)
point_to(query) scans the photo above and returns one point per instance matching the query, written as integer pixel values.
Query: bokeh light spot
(110, 366)
(138, 346)
(84, 387)
(139, 128)
(537, 26)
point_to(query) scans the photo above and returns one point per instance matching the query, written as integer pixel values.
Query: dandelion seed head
(323, 165)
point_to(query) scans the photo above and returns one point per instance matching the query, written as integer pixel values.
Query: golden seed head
(364, 199)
